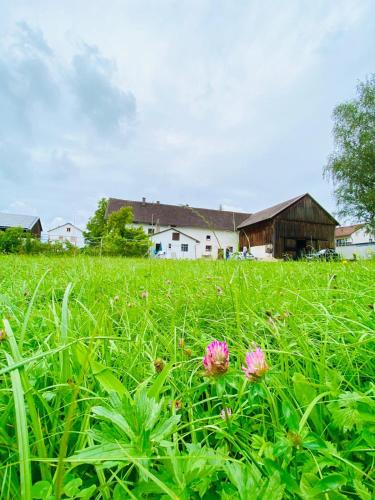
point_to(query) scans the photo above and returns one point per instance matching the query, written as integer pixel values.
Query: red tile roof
(345, 231)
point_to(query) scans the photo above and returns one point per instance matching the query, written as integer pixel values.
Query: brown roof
(269, 213)
(177, 215)
(344, 231)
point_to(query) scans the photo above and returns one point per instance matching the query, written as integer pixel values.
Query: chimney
(143, 201)
(220, 207)
(158, 202)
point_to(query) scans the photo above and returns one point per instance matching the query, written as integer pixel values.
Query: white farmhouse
(67, 232)
(355, 240)
(184, 232)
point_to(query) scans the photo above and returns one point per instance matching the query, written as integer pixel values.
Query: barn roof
(344, 231)
(16, 220)
(270, 213)
(178, 215)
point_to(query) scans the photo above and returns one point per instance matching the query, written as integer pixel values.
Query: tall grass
(103, 393)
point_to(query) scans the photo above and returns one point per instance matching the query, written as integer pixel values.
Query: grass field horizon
(104, 392)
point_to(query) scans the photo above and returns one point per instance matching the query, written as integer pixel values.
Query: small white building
(174, 244)
(67, 232)
(354, 241)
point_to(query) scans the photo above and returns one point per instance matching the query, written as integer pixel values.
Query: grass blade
(22, 432)
(29, 309)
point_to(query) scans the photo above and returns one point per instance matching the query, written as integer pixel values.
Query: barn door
(300, 248)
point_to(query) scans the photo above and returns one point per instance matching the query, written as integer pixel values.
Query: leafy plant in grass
(86, 364)
(130, 432)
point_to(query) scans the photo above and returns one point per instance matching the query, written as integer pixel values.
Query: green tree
(97, 225)
(352, 164)
(11, 240)
(122, 238)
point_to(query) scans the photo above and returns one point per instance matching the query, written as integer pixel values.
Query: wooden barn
(293, 227)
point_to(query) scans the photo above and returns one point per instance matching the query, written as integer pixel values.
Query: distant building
(67, 232)
(293, 227)
(29, 223)
(184, 232)
(354, 240)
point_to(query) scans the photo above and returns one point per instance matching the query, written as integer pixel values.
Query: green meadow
(103, 391)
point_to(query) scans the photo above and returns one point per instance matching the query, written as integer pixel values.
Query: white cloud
(199, 102)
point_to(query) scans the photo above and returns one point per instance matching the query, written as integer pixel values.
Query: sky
(203, 102)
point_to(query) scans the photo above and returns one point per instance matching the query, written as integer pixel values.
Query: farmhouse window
(208, 248)
(208, 237)
(176, 236)
(342, 242)
(68, 229)
(184, 247)
(151, 230)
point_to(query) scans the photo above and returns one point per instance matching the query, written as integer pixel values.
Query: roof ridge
(178, 206)
(20, 215)
(272, 213)
(65, 224)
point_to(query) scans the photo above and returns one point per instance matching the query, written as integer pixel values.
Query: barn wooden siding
(257, 234)
(304, 220)
(36, 230)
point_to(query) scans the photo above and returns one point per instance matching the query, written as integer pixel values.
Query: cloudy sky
(203, 102)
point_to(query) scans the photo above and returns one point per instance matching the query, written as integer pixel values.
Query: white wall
(216, 240)
(361, 250)
(173, 248)
(260, 252)
(67, 232)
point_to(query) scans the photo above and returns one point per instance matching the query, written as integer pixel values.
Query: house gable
(306, 209)
(174, 230)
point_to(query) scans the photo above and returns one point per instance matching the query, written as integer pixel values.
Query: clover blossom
(256, 364)
(216, 361)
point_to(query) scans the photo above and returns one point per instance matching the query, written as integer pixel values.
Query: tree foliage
(352, 164)
(11, 240)
(122, 238)
(97, 225)
(114, 234)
